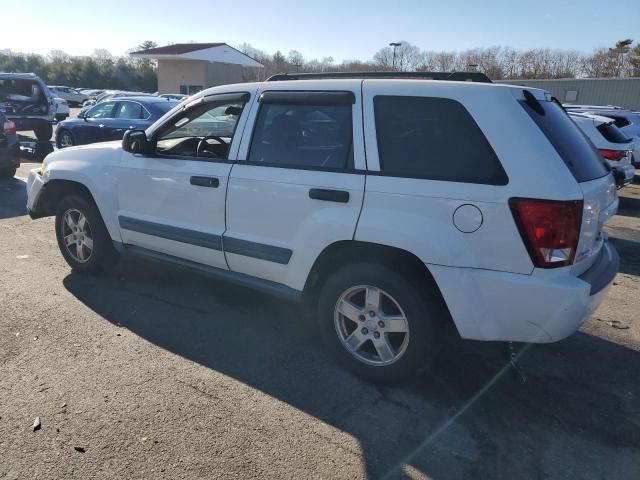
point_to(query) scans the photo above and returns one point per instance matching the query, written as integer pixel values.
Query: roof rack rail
(452, 76)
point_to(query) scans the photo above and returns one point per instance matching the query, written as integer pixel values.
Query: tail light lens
(615, 155)
(550, 229)
(9, 127)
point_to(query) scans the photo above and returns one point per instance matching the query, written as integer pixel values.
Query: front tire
(65, 139)
(82, 236)
(378, 324)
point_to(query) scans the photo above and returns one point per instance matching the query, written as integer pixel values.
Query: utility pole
(394, 45)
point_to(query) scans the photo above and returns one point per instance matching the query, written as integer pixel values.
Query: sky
(346, 29)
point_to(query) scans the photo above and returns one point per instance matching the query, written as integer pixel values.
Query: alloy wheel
(77, 235)
(371, 325)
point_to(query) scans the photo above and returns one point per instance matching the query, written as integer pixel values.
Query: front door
(298, 184)
(173, 201)
(95, 127)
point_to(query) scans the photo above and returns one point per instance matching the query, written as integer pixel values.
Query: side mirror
(82, 114)
(135, 141)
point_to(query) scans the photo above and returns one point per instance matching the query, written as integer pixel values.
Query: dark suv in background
(9, 160)
(26, 100)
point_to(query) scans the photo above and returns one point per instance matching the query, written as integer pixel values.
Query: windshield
(164, 107)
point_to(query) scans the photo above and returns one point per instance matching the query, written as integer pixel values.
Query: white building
(190, 67)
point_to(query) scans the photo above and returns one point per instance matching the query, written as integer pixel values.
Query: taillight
(9, 127)
(550, 229)
(615, 155)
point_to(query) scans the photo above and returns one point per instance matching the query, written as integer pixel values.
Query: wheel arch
(53, 193)
(344, 252)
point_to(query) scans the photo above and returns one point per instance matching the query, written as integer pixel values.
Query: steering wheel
(202, 144)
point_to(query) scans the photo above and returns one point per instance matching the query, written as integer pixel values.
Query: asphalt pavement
(153, 372)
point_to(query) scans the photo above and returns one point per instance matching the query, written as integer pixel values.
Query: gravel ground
(151, 372)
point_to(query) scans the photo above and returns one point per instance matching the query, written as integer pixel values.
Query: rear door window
(433, 138)
(577, 152)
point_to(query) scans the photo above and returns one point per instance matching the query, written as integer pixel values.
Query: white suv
(391, 206)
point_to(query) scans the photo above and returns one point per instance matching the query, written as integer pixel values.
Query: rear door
(299, 181)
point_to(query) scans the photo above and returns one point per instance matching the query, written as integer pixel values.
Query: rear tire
(371, 341)
(44, 132)
(7, 173)
(82, 236)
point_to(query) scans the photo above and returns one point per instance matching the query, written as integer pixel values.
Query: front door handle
(328, 195)
(211, 182)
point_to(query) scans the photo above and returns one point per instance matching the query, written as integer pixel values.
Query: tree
(620, 53)
(146, 45)
(296, 59)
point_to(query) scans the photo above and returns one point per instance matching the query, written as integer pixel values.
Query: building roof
(177, 49)
(208, 52)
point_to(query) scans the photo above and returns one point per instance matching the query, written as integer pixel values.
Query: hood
(94, 152)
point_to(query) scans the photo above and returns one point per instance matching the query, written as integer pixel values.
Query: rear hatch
(600, 201)
(23, 97)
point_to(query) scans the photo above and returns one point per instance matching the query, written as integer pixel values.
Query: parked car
(109, 120)
(389, 207)
(626, 120)
(614, 146)
(91, 92)
(174, 96)
(9, 159)
(62, 109)
(110, 94)
(72, 96)
(27, 102)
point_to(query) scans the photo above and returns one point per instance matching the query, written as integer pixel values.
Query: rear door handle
(211, 182)
(328, 195)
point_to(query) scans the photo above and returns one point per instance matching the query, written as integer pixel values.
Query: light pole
(394, 45)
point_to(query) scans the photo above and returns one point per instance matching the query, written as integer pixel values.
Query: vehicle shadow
(470, 418)
(629, 207)
(13, 198)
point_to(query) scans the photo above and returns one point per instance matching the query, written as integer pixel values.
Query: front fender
(93, 167)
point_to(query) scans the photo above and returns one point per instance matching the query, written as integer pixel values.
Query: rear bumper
(543, 307)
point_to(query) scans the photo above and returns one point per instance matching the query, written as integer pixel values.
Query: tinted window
(311, 136)
(577, 152)
(130, 110)
(619, 121)
(433, 138)
(612, 133)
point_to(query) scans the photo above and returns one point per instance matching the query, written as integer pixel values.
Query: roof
(177, 49)
(207, 52)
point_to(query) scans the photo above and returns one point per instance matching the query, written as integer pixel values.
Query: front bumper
(543, 307)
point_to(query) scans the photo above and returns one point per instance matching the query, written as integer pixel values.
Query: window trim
(320, 98)
(298, 100)
(113, 103)
(381, 173)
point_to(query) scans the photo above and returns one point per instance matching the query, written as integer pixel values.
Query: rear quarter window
(433, 138)
(575, 149)
(612, 133)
